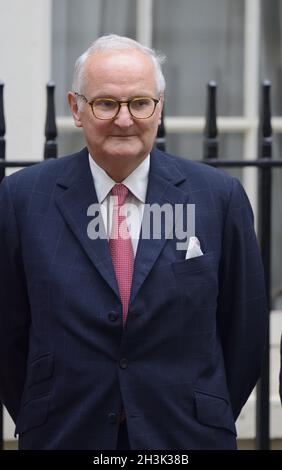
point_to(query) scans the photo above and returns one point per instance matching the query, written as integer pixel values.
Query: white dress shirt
(136, 182)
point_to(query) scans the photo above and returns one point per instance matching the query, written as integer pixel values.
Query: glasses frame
(120, 103)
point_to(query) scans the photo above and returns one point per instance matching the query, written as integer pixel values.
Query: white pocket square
(194, 248)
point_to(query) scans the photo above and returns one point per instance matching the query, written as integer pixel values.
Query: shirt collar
(136, 182)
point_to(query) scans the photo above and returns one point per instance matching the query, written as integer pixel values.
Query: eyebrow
(112, 97)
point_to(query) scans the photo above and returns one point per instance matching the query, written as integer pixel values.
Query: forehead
(119, 70)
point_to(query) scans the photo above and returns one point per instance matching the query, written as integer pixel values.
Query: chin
(126, 152)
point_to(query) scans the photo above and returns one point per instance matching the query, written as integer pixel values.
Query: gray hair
(113, 42)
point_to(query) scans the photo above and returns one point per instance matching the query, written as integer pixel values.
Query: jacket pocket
(40, 369)
(214, 411)
(39, 377)
(194, 265)
(33, 414)
(36, 397)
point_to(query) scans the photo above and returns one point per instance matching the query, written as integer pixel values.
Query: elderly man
(120, 340)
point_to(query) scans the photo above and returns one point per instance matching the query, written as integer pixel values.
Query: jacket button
(112, 316)
(123, 363)
(112, 418)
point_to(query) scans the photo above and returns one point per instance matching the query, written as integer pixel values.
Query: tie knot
(121, 192)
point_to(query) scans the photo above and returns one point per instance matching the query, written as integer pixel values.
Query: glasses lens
(104, 108)
(142, 107)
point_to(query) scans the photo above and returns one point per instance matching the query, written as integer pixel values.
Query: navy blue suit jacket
(191, 350)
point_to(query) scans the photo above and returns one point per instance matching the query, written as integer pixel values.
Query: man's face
(120, 75)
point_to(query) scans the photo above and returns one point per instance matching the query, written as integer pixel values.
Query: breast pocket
(194, 265)
(197, 286)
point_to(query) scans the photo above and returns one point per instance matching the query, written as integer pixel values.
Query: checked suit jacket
(190, 353)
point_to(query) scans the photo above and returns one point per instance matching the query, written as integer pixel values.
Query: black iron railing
(265, 165)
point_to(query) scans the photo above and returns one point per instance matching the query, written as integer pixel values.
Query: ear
(161, 106)
(72, 100)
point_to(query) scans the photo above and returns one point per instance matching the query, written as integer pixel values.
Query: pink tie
(121, 248)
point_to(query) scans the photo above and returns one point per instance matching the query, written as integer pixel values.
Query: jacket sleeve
(242, 310)
(14, 307)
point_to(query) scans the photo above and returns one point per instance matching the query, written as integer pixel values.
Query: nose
(124, 118)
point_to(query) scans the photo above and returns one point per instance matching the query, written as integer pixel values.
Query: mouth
(123, 136)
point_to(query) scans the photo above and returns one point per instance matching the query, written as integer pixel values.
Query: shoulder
(44, 173)
(198, 174)
(206, 186)
(50, 167)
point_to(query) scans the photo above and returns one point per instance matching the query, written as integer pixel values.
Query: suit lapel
(75, 193)
(163, 178)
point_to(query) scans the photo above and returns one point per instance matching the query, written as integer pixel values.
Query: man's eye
(141, 103)
(106, 104)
